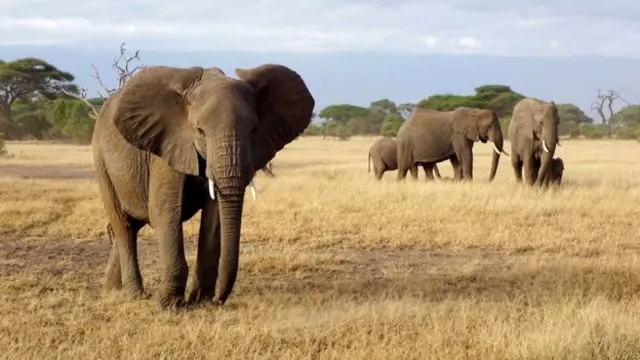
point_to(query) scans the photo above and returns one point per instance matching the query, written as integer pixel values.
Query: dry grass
(337, 266)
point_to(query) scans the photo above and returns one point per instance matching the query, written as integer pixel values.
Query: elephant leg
(536, 168)
(208, 257)
(413, 169)
(530, 172)
(378, 171)
(457, 168)
(428, 171)
(165, 202)
(402, 172)
(465, 156)
(122, 270)
(516, 162)
(112, 275)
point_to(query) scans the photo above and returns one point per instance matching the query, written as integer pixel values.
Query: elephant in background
(431, 136)
(383, 154)
(173, 141)
(533, 133)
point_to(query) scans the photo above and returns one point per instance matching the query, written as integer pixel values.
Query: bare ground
(45, 171)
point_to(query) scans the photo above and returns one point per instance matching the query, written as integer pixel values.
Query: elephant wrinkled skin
(173, 141)
(431, 136)
(533, 133)
(383, 155)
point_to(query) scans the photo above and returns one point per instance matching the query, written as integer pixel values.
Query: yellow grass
(335, 265)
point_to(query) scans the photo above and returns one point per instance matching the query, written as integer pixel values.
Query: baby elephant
(384, 155)
(554, 175)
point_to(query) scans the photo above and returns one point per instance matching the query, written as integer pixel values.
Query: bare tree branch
(82, 96)
(123, 73)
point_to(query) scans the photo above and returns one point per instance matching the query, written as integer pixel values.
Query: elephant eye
(200, 131)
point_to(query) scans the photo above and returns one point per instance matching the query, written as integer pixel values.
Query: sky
(351, 51)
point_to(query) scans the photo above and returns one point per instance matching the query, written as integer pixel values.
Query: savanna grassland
(335, 265)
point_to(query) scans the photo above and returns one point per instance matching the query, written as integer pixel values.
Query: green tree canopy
(24, 79)
(629, 115)
(391, 125)
(573, 114)
(499, 98)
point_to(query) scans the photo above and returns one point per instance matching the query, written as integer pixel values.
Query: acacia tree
(24, 79)
(605, 102)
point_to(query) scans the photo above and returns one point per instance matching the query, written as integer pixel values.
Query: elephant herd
(174, 141)
(430, 136)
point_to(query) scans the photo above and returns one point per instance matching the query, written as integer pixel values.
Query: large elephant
(383, 153)
(533, 133)
(431, 136)
(173, 141)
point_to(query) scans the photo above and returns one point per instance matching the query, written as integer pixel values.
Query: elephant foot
(169, 299)
(199, 295)
(134, 292)
(112, 283)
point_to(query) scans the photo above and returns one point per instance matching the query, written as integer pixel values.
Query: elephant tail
(369, 163)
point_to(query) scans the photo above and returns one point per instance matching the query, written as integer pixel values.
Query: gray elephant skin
(431, 136)
(383, 154)
(173, 141)
(533, 133)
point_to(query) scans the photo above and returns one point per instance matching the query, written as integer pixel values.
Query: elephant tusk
(544, 146)
(212, 192)
(495, 148)
(254, 192)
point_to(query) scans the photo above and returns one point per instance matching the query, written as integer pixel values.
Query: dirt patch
(45, 171)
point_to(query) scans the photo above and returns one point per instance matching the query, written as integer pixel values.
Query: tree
(391, 125)
(124, 71)
(603, 105)
(628, 115)
(26, 78)
(406, 110)
(341, 113)
(499, 98)
(573, 114)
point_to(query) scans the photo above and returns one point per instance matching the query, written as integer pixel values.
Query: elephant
(383, 154)
(268, 170)
(432, 136)
(555, 172)
(533, 133)
(172, 141)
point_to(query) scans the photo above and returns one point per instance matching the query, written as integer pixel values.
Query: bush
(591, 131)
(3, 146)
(628, 132)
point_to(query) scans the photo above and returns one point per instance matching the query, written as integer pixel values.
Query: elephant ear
(284, 106)
(152, 115)
(465, 121)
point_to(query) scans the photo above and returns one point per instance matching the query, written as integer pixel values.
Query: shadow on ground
(45, 171)
(355, 275)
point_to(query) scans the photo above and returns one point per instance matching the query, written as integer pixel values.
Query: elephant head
(480, 125)
(202, 123)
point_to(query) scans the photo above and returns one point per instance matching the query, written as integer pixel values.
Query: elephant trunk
(497, 141)
(231, 171)
(549, 139)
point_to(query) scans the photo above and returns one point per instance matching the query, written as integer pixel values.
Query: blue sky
(351, 51)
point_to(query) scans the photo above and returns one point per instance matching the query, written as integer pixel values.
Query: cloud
(499, 27)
